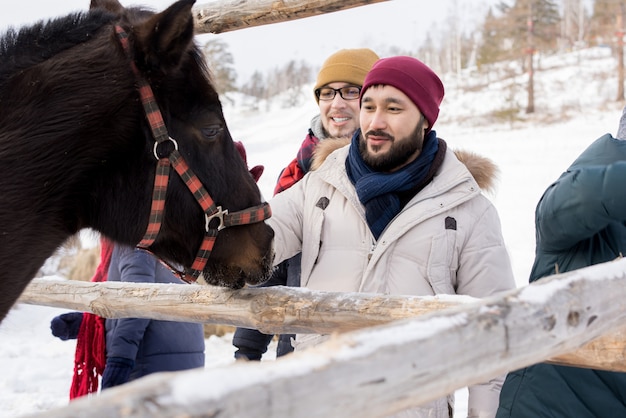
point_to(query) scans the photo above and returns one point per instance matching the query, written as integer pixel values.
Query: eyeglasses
(346, 93)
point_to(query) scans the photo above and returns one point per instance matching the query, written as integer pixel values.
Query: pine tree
(522, 29)
(533, 22)
(492, 48)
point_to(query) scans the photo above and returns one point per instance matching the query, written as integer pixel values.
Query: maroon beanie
(413, 78)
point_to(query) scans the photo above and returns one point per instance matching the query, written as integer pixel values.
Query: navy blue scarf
(378, 191)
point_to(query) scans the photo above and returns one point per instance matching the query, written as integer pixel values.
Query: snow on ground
(575, 105)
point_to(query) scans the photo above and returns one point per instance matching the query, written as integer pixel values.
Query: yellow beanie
(346, 65)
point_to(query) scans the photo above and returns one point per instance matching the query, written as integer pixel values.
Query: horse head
(80, 146)
(160, 47)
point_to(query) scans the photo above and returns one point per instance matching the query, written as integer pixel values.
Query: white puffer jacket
(446, 240)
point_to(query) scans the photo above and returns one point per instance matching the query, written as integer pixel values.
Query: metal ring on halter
(219, 215)
(156, 144)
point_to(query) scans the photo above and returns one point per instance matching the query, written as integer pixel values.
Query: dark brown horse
(77, 150)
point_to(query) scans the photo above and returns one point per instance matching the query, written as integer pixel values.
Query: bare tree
(573, 24)
(291, 77)
(619, 33)
(221, 64)
(607, 27)
(256, 86)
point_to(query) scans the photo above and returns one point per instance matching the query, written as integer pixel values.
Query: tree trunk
(620, 53)
(530, 107)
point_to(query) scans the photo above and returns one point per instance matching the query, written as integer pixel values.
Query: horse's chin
(234, 277)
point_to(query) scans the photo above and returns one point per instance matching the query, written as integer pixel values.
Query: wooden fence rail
(408, 362)
(271, 310)
(282, 310)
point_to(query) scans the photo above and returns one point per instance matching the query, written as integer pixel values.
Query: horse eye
(212, 131)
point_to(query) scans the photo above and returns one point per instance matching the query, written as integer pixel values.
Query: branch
(230, 15)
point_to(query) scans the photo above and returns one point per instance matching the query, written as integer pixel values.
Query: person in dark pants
(135, 347)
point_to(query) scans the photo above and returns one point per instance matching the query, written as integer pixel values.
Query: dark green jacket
(580, 221)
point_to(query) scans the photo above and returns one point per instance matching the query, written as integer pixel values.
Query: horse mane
(34, 44)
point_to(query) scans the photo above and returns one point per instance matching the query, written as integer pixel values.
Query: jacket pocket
(443, 263)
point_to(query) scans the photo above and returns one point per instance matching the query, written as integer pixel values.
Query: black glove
(243, 353)
(284, 344)
(66, 326)
(250, 343)
(116, 371)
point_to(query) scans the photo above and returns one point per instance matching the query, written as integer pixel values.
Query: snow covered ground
(575, 105)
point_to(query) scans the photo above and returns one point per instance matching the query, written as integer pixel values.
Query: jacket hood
(317, 128)
(484, 170)
(603, 151)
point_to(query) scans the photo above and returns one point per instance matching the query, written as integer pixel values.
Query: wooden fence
(443, 344)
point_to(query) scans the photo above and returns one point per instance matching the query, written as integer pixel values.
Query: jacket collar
(483, 170)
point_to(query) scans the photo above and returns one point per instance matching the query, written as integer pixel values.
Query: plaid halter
(212, 211)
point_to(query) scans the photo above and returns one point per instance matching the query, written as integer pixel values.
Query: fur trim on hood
(324, 148)
(484, 171)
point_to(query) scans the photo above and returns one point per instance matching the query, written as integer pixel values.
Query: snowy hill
(574, 95)
(564, 85)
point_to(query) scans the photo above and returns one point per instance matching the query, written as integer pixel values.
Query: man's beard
(399, 152)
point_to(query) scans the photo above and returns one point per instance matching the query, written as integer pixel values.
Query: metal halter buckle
(219, 215)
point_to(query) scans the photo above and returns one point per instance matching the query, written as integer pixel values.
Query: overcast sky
(402, 23)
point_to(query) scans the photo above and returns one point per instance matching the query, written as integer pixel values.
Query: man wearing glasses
(337, 93)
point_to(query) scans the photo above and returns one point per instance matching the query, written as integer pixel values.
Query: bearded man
(395, 212)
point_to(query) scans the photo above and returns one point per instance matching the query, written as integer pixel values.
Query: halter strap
(213, 213)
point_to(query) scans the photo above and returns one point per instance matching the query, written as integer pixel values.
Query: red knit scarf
(90, 356)
(300, 165)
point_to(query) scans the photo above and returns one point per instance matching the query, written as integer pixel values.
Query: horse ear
(111, 5)
(164, 38)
